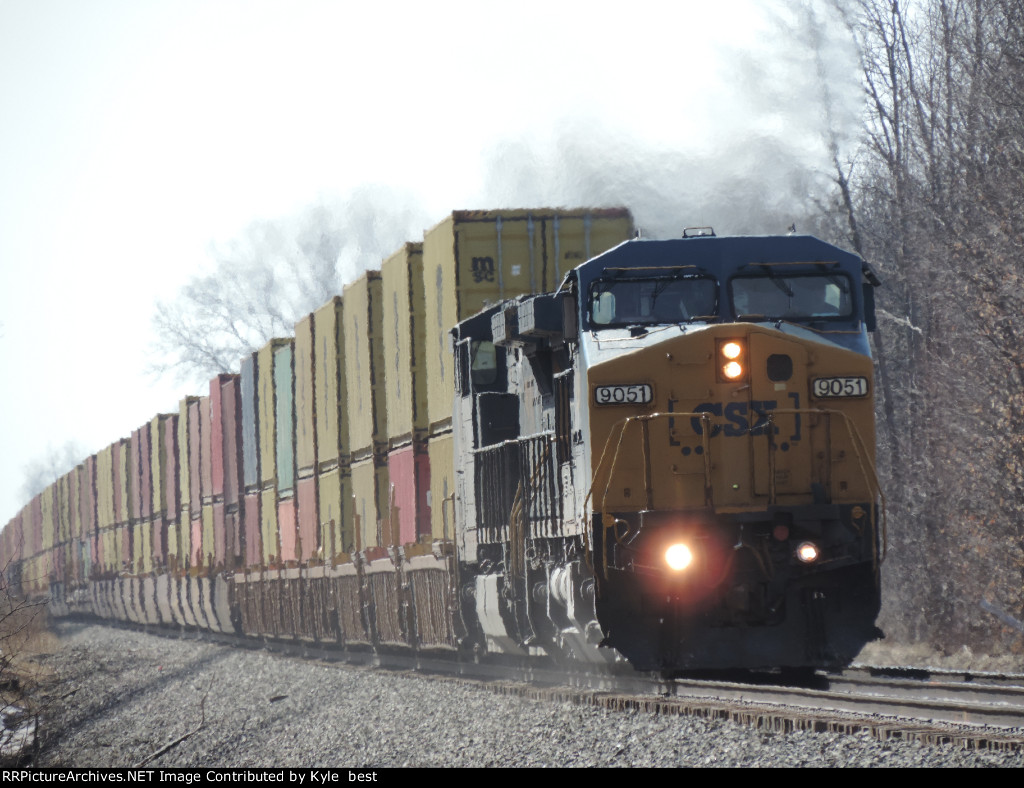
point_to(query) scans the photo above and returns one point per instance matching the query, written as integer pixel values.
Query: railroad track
(960, 709)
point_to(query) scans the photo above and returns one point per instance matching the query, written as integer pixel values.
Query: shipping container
(266, 400)
(371, 496)
(225, 433)
(442, 487)
(184, 529)
(476, 258)
(409, 476)
(268, 527)
(305, 397)
(330, 387)
(249, 424)
(284, 417)
(403, 340)
(367, 417)
(310, 548)
(337, 524)
(251, 524)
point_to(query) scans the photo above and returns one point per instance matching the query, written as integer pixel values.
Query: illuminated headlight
(732, 350)
(731, 359)
(807, 552)
(678, 557)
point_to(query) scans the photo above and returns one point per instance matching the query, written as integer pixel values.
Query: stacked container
(476, 258)
(403, 340)
(367, 415)
(333, 452)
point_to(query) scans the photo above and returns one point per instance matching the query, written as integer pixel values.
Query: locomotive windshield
(652, 301)
(794, 297)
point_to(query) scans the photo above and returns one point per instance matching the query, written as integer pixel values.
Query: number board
(626, 394)
(824, 388)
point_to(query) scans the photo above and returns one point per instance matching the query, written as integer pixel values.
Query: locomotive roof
(720, 256)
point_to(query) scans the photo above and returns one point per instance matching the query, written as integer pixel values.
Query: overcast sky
(134, 133)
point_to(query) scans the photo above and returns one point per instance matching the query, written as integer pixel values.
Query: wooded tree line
(932, 197)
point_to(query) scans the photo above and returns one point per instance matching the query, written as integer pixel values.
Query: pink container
(170, 466)
(409, 473)
(286, 529)
(231, 437)
(251, 530)
(308, 519)
(195, 499)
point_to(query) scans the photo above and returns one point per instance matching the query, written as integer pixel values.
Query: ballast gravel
(119, 697)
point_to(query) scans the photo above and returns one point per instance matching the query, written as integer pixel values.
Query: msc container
(403, 338)
(330, 387)
(476, 258)
(409, 476)
(367, 417)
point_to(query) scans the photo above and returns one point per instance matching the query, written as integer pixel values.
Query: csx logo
(741, 418)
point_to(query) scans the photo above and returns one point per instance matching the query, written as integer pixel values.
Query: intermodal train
(534, 435)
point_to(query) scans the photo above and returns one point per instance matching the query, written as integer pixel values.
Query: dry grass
(24, 637)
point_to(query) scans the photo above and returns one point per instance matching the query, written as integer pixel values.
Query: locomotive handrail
(879, 543)
(621, 426)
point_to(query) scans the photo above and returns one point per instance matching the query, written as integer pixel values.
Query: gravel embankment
(120, 696)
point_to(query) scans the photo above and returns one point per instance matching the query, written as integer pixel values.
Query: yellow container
(404, 338)
(337, 527)
(265, 361)
(476, 258)
(442, 487)
(305, 399)
(268, 526)
(364, 365)
(329, 384)
(370, 500)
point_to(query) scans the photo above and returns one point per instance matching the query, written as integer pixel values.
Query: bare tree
(275, 272)
(936, 205)
(40, 473)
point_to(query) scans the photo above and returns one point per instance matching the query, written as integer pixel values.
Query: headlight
(731, 360)
(807, 552)
(678, 557)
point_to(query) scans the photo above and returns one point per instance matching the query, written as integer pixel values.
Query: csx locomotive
(668, 459)
(682, 438)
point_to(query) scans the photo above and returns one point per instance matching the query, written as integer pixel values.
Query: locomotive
(681, 441)
(666, 460)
